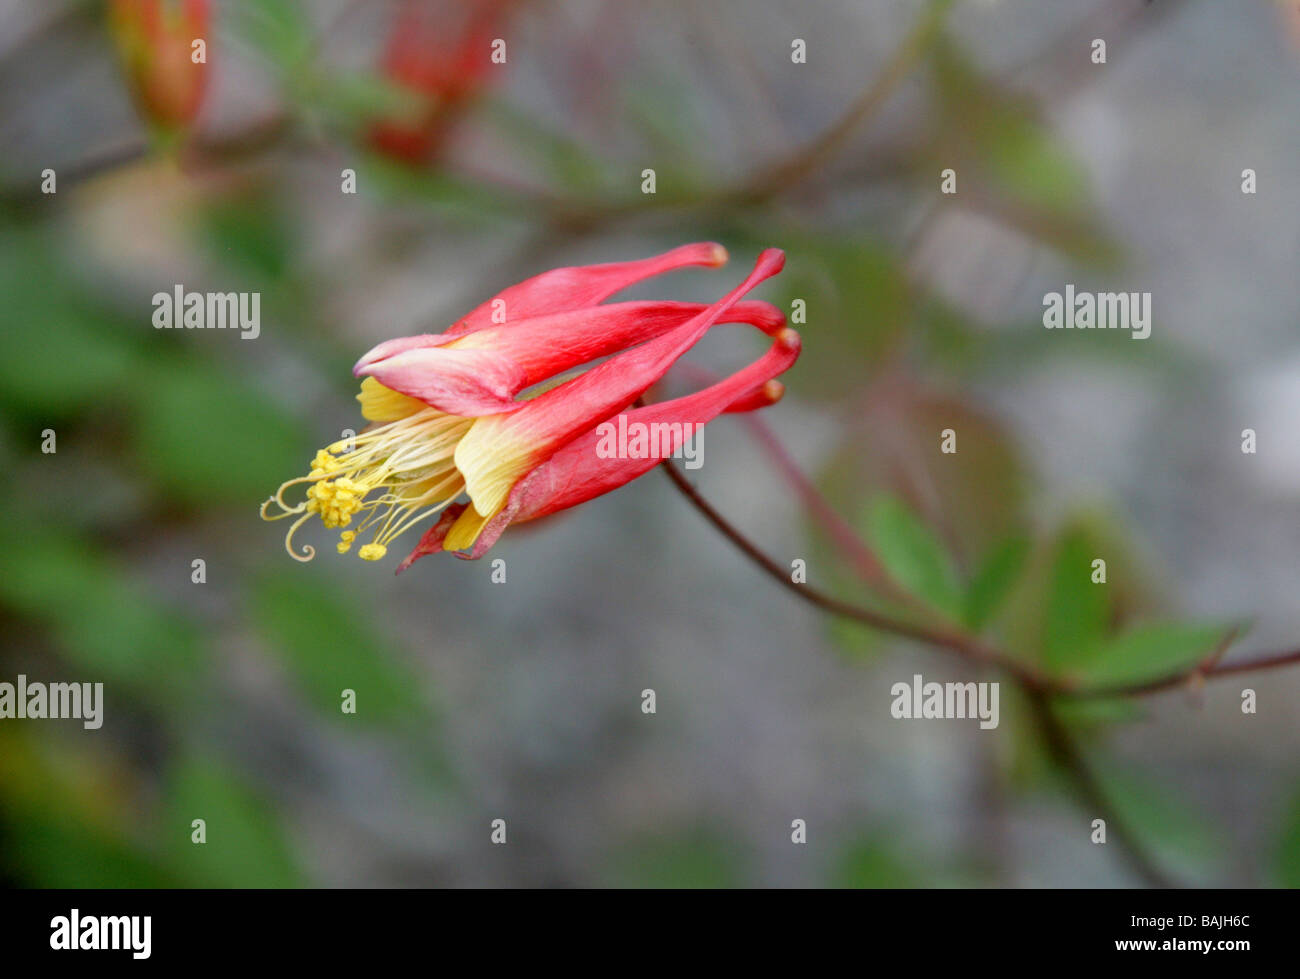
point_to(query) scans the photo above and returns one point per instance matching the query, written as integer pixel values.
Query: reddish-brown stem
(1039, 688)
(966, 646)
(837, 528)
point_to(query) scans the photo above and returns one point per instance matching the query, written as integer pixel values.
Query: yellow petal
(464, 532)
(381, 404)
(492, 459)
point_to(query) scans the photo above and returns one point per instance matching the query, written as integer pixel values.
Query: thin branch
(811, 157)
(837, 528)
(1064, 64)
(784, 175)
(199, 151)
(968, 647)
(1040, 689)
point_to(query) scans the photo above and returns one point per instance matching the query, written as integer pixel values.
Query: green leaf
(1021, 172)
(1150, 652)
(994, 580)
(1077, 609)
(912, 554)
(249, 233)
(329, 645)
(208, 438)
(859, 301)
(280, 29)
(1004, 134)
(689, 859)
(570, 162)
(67, 818)
(357, 98)
(1100, 711)
(1027, 161)
(246, 845)
(56, 851)
(887, 448)
(107, 625)
(855, 640)
(62, 350)
(1287, 868)
(1161, 819)
(870, 863)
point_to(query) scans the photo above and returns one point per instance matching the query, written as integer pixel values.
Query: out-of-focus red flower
(451, 420)
(156, 41)
(440, 54)
(1290, 12)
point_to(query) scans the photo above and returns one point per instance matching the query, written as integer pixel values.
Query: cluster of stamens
(388, 478)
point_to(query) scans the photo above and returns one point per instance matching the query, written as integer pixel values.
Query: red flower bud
(166, 69)
(441, 61)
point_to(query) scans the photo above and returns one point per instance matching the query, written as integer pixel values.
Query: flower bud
(163, 47)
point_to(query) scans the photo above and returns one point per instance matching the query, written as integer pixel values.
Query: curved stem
(1039, 688)
(963, 645)
(808, 159)
(837, 528)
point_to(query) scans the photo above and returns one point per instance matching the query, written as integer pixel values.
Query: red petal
(498, 450)
(431, 542)
(582, 285)
(459, 382)
(481, 373)
(577, 473)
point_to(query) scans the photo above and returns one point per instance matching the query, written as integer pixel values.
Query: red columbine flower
(440, 59)
(453, 416)
(156, 41)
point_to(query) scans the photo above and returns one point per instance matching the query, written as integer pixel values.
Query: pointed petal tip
(390, 348)
(709, 254)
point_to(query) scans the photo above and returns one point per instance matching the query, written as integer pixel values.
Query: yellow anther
(372, 552)
(335, 500)
(323, 463)
(345, 541)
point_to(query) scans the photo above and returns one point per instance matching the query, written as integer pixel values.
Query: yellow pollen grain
(372, 552)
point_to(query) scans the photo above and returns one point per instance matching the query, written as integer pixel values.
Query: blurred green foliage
(692, 858)
(1287, 872)
(872, 862)
(913, 555)
(329, 645)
